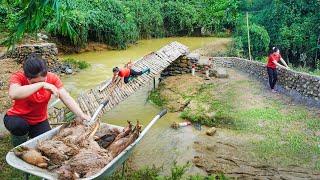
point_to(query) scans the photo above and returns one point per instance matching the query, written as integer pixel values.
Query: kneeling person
(126, 74)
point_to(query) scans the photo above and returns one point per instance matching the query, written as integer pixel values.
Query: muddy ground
(261, 134)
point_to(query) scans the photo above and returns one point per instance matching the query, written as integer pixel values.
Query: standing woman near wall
(273, 62)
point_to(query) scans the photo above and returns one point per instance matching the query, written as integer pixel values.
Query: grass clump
(151, 173)
(80, 64)
(205, 109)
(156, 98)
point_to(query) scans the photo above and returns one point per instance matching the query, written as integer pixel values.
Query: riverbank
(136, 107)
(259, 133)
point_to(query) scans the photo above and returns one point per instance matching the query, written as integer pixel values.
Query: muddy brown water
(162, 145)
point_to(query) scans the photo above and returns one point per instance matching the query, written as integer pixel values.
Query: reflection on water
(161, 145)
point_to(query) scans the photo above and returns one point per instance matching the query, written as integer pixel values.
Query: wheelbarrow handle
(96, 113)
(163, 112)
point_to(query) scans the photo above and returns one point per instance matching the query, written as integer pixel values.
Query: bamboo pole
(249, 48)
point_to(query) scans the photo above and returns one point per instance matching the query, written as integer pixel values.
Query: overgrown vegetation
(156, 98)
(115, 23)
(292, 26)
(177, 173)
(78, 64)
(207, 109)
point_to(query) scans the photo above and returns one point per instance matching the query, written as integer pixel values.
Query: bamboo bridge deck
(89, 100)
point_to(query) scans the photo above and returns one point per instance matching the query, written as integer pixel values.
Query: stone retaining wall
(291, 82)
(303, 83)
(47, 51)
(180, 66)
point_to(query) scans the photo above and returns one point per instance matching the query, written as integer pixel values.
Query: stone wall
(180, 66)
(47, 51)
(305, 84)
(295, 84)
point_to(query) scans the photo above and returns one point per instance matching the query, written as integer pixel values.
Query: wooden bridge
(91, 99)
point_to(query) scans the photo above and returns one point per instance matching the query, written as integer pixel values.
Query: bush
(179, 18)
(259, 40)
(77, 63)
(148, 18)
(156, 98)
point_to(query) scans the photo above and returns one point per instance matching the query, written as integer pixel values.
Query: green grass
(77, 63)
(155, 97)
(220, 108)
(6, 171)
(286, 133)
(154, 173)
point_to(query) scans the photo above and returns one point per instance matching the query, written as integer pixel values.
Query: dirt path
(260, 135)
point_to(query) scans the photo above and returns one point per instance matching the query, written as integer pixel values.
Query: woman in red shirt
(126, 74)
(31, 91)
(273, 62)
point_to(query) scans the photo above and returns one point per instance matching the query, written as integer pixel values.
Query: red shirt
(124, 72)
(271, 58)
(33, 108)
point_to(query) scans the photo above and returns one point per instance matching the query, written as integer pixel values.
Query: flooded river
(162, 145)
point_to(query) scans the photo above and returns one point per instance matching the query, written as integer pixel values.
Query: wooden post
(154, 83)
(249, 49)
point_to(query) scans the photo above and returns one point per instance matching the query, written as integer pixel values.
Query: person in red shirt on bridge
(31, 90)
(272, 64)
(126, 73)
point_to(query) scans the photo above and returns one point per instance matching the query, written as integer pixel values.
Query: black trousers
(19, 127)
(132, 73)
(273, 77)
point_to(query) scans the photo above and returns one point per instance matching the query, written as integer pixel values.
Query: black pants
(132, 73)
(273, 77)
(19, 127)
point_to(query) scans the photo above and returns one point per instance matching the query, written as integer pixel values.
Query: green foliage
(117, 23)
(152, 173)
(293, 27)
(30, 19)
(148, 18)
(221, 15)
(179, 18)
(259, 39)
(77, 63)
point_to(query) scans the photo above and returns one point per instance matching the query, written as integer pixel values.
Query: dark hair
(115, 69)
(34, 67)
(273, 50)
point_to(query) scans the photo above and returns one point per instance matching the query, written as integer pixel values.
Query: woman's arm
(16, 91)
(72, 105)
(113, 78)
(284, 62)
(276, 63)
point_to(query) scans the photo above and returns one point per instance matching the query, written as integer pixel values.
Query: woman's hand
(81, 118)
(51, 88)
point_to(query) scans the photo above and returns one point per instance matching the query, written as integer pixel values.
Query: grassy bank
(287, 134)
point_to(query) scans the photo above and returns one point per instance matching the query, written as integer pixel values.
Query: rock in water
(211, 131)
(68, 70)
